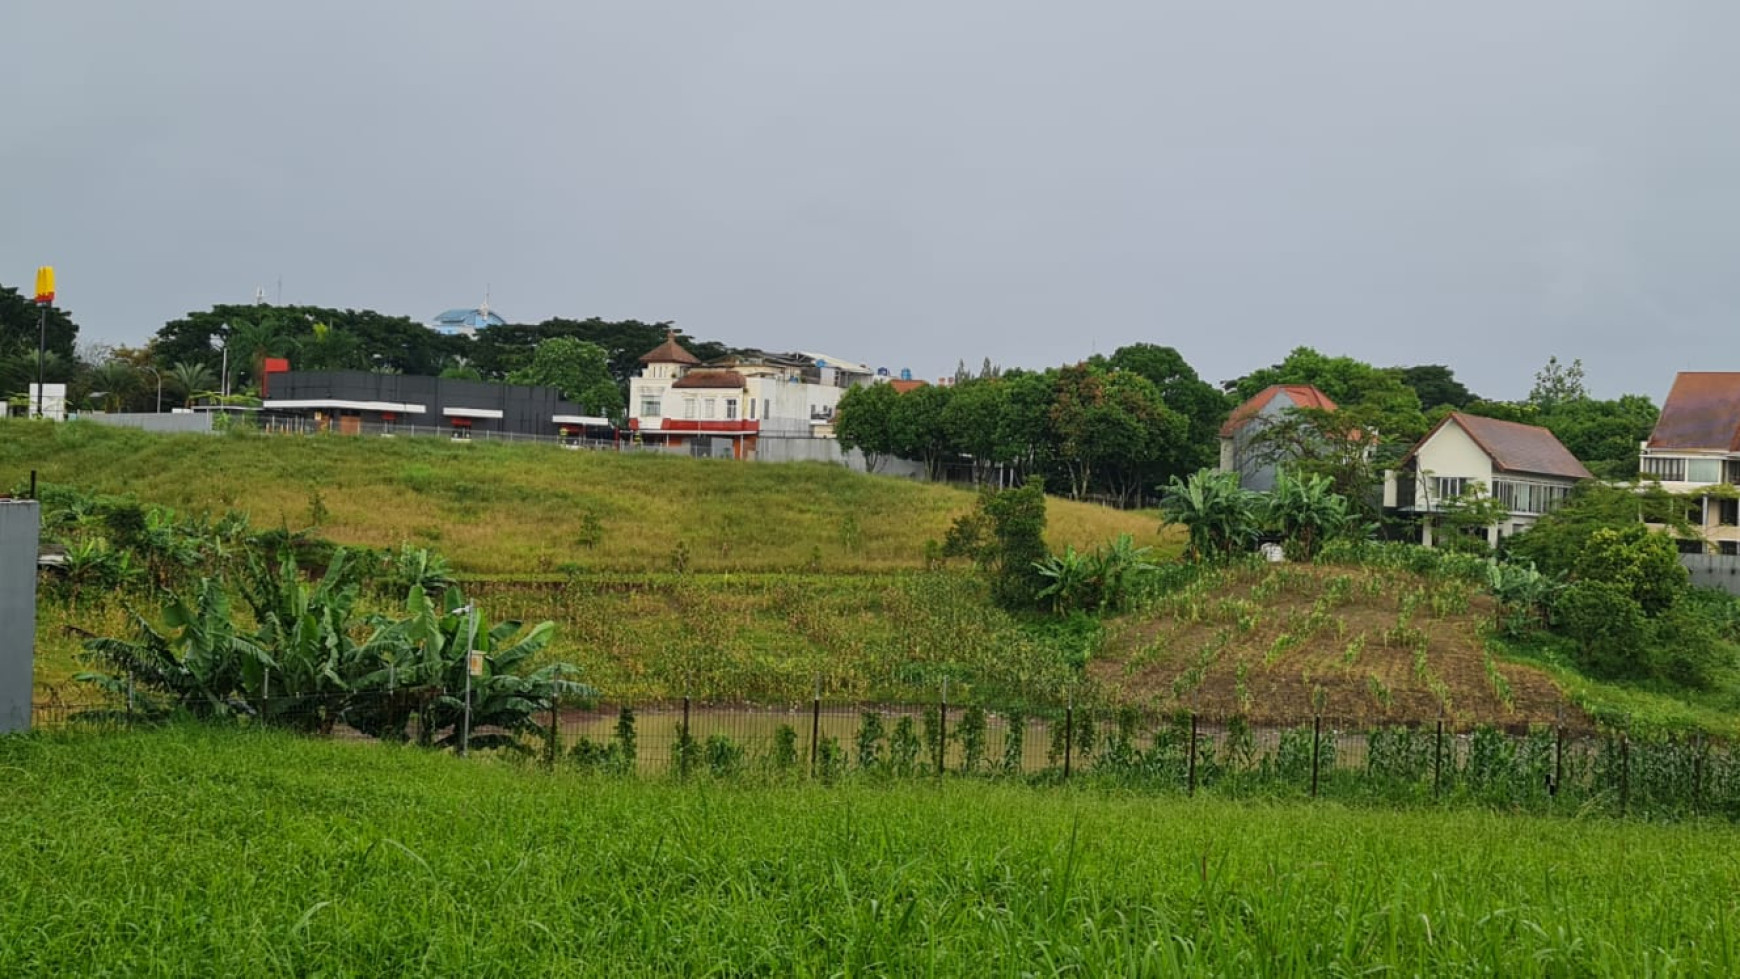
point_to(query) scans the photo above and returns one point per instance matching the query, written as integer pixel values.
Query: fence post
(1438, 759)
(33, 484)
(1068, 734)
(1316, 736)
(1624, 773)
(550, 747)
(1558, 761)
(815, 731)
(1191, 789)
(684, 740)
(1697, 769)
(942, 728)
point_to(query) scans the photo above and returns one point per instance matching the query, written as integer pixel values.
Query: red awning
(460, 422)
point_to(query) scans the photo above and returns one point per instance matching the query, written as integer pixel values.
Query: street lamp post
(159, 377)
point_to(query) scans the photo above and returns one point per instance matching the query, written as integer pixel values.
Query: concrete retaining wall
(19, 528)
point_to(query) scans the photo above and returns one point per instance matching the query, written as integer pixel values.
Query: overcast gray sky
(907, 183)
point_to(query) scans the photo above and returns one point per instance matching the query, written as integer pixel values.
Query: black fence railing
(1538, 768)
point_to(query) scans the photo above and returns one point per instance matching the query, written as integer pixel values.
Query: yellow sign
(45, 284)
(474, 663)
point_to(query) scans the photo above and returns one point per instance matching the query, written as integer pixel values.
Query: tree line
(1115, 427)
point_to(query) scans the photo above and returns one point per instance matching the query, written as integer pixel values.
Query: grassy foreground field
(202, 851)
(498, 508)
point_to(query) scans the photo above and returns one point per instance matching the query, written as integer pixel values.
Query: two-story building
(729, 406)
(1694, 449)
(1242, 450)
(1524, 467)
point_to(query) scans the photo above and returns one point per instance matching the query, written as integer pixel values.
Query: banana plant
(195, 663)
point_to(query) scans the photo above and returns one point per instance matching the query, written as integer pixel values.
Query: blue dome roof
(466, 320)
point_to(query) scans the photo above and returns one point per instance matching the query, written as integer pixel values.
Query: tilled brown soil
(1281, 643)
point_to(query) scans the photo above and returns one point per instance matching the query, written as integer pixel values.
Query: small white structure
(1524, 467)
(53, 405)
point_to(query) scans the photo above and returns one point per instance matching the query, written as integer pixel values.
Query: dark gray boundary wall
(1714, 571)
(19, 525)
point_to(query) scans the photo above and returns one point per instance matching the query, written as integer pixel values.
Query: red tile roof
(710, 379)
(1302, 396)
(1702, 411)
(901, 387)
(669, 352)
(1513, 447)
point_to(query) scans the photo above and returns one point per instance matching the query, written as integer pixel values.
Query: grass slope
(226, 853)
(496, 508)
(1277, 643)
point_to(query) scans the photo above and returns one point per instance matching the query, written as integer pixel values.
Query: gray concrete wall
(1714, 571)
(19, 525)
(777, 449)
(191, 421)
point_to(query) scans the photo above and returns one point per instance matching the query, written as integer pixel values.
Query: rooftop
(1702, 411)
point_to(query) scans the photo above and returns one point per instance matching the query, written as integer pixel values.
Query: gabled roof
(669, 352)
(1302, 396)
(710, 379)
(1702, 411)
(1512, 446)
(903, 386)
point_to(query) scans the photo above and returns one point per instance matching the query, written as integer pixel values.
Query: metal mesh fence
(1183, 752)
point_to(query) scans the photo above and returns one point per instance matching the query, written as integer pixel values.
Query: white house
(677, 401)
(1695, 449)
(1524, 467)
(1256, 467)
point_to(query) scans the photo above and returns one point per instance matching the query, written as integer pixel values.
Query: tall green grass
(501, 508)
(194, 851)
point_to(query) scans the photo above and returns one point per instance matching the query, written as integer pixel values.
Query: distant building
(1240, 450)
(1695, 449)
(465, 322)
(728, 406)
(364, 403)
(1524, 467)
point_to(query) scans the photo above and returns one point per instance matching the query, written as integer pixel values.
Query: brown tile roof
(1513, 446)
(710, 379)
(1702, 411)
(1302, 396)
(669, 352)
(901, 387)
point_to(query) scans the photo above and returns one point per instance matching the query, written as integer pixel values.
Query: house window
(1727, 513)
(766, 409)
(1691, 545)
(1728, 547)
(751, 409)
(731, 409)
(650, 406)
(711, 407)
(1666, 470)
(688, 407)
(1449, 487)
(1703, 470)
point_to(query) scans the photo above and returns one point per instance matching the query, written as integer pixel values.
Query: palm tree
(251, 343)
(115, 380)
(192, 380)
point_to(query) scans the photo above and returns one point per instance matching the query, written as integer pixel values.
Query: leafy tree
(864, 420)
(1392, 407)
(1558, 541)
(1005, 537)
(1645, 564)
(1203, 406)
(1608, 626)
(970, 418)
(1344, 446)
(116, 380)
(1435, 385)
(918, 430)
(580, 370)
(20, 322)
(1557, 384)
(329, 348)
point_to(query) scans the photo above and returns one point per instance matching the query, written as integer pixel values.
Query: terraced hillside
(506, 509)
(1279, 642)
